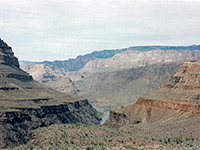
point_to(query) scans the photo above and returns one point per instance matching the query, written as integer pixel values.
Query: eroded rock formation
(180, 97)
(6, 55)
(134, 59)
(26, 104)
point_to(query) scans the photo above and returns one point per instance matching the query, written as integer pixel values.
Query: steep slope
(26, 105)
(116, 88)
(180, 97)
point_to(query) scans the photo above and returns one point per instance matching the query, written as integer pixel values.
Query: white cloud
(59, 29)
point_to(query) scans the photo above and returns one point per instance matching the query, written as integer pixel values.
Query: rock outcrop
(26, 104)
(116, 120)
(6, 55)
(180, 97)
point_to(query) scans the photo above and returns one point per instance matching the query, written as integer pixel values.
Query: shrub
(89, 148)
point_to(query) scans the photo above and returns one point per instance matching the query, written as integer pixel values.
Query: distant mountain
(21, 63)
(135, 58)
(80, 61)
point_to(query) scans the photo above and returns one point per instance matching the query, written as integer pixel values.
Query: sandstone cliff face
(178, 98)
(6, 55)
(26, 104)
(134, 59)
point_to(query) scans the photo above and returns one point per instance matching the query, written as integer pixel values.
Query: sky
(40, 30)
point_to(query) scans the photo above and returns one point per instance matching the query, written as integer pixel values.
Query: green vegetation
(89, 137)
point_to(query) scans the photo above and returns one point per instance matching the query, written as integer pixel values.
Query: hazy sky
(60, 29)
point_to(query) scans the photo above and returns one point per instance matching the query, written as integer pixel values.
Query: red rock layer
(180, 97)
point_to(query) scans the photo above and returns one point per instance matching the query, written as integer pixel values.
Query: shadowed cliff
(26, 104)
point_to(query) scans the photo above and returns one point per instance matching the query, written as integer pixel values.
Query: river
(106, 114)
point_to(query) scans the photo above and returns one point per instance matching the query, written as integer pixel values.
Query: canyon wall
(26, 104)
(179, 97)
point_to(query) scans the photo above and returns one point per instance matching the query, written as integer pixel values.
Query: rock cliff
(180, 97)
(26, 104)
(134, 59)
(79, 62)
(6, 55)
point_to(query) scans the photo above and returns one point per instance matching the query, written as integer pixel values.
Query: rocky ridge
(79, 62)
(26, 104)
(6, 55)
(178, 98)
(110, 60)
(134, 59)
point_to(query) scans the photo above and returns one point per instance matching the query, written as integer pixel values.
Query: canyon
(151, 103)
(113, 78)
(112, 89)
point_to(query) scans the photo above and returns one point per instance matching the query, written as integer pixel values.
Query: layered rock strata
(6, 55)
(134, 59)
(26, 104)
(180, 97)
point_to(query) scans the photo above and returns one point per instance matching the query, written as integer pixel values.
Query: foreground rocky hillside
(182, 134)
(179, 98)
(26, 104)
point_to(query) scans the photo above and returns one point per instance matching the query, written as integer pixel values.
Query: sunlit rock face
(179, 97)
